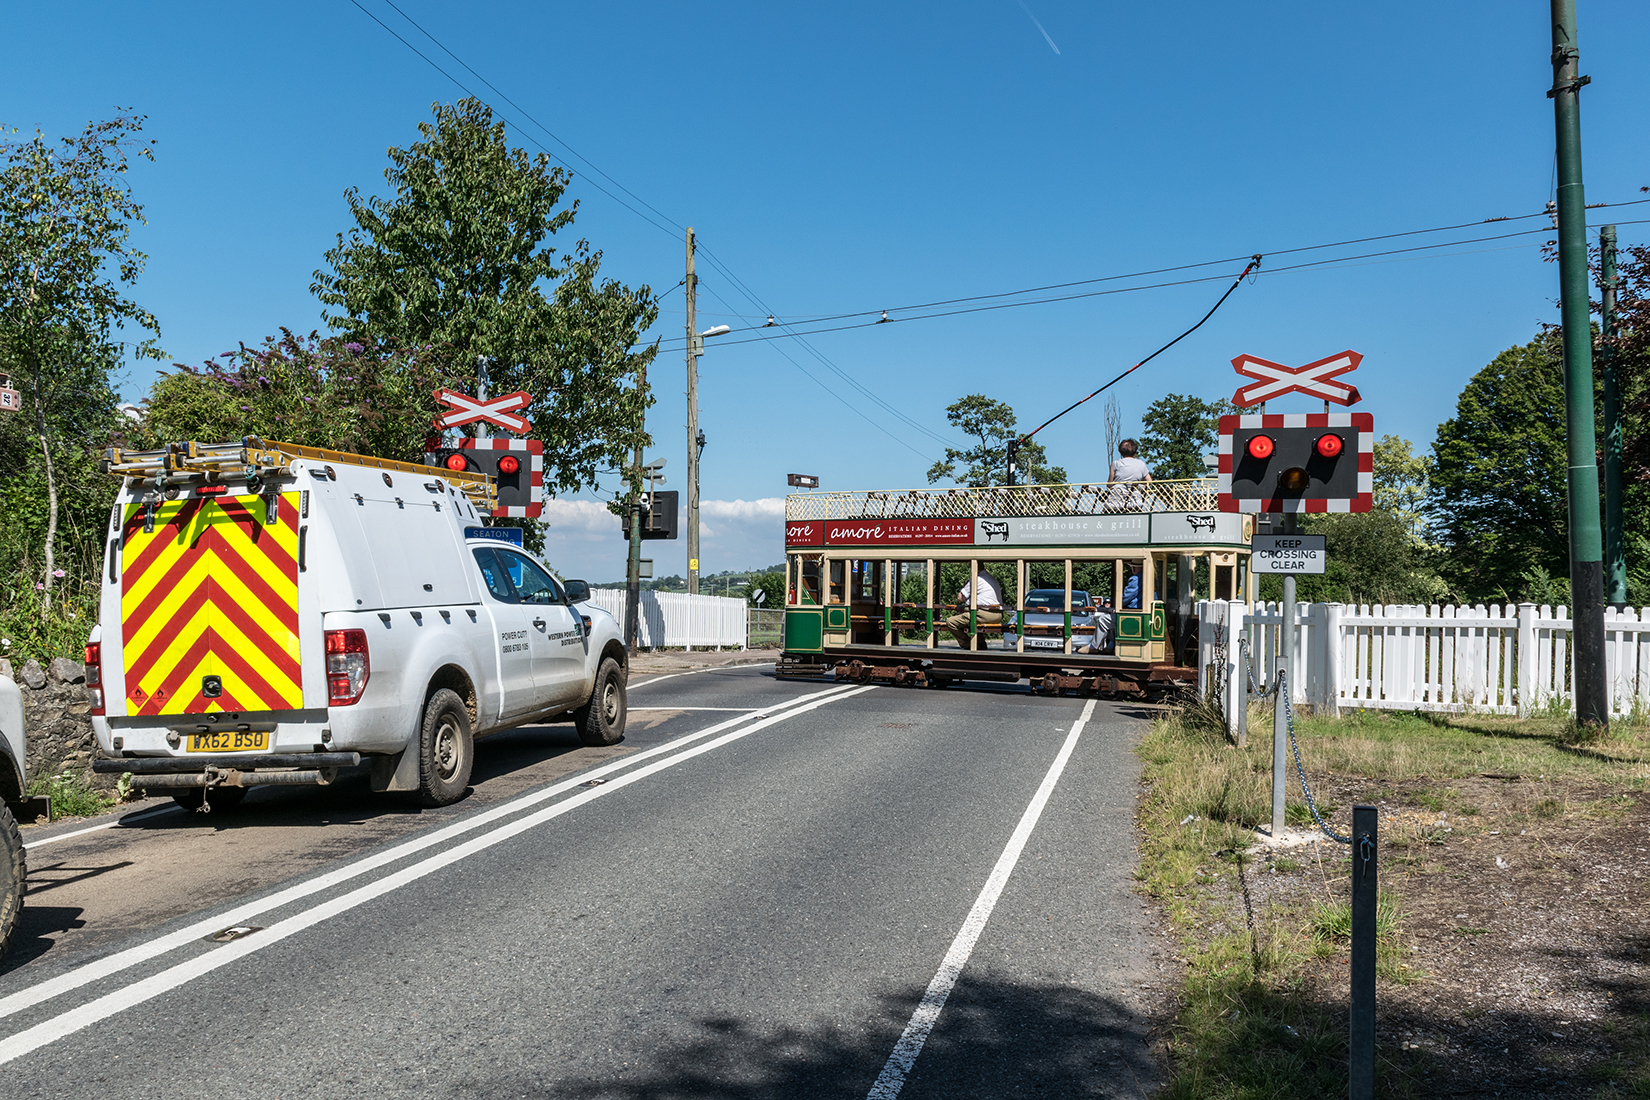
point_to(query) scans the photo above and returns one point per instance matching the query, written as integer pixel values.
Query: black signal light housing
(1300, 462)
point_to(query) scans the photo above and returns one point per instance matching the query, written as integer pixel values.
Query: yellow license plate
(229, 741)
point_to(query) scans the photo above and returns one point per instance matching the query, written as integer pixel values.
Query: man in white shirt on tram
(987, 600)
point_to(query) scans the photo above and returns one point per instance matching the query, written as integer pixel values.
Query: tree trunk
(51, 530)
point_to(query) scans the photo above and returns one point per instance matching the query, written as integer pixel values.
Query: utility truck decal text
(515, 641)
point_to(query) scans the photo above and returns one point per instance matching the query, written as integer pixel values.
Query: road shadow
(36, 927)
(994, 1039)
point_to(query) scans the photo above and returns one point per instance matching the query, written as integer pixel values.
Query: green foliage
(992, 423)
(1498, 487)
(66, 214)
(457, 261)
(772, 585)
(1372, 559)
(1402, 480)
(1179, 431)
(72, 794)
(313, 391)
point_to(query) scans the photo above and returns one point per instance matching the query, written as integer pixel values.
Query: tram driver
(986, 599)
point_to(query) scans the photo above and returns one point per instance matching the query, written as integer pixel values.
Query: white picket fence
(1512, 659)
(676, 619)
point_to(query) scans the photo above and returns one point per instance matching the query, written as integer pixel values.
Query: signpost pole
(1284, 682)
(633, 568)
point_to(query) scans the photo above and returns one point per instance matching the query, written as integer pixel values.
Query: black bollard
(1361, 1056)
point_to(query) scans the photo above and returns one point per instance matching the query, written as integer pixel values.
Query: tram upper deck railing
(1097, 498)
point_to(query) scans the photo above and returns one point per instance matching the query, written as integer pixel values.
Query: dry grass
(1252, 1021)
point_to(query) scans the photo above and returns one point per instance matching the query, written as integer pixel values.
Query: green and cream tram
(1089, 588)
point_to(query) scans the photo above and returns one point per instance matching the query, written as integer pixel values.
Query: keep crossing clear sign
(1288, 554)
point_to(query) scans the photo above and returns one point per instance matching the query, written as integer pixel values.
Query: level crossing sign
(494, 410)
(1316, 379)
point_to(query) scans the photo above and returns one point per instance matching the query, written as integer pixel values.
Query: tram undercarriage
(1052, 675)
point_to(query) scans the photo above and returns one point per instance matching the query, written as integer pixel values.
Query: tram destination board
(1288, 554)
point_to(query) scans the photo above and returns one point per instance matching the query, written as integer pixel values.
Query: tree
(992, 423)
(66, 213)
(457, 260)
(1628, 350)
(772, 586)
(315, 391)
(1498, 495)
(1179, 431)
(1402, 480)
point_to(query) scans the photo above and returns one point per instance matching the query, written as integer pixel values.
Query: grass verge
(1263, 935)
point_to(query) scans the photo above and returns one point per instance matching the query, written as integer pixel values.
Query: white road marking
(696, 671)
(643, 710)
(892, 1078)
(244, 914)
(77, 1019)
(141, 815)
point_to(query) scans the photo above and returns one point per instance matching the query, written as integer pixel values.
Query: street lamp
(696, 438)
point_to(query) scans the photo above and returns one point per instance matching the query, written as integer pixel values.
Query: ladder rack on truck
(257, 459)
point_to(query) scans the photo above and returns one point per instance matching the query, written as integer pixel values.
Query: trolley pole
(1586, 549)
(692, 285)
(1283, 680)
(1615, 545)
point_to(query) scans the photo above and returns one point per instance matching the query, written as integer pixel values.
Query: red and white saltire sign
(1316, 379)
(905, 532)
(494, 410)
(532, 453)
(807, 532)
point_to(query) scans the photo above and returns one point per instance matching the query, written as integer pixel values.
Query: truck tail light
(94, 675)
(348, 666)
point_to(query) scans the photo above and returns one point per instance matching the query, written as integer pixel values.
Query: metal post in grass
(1284, 680)
(1361, 1055)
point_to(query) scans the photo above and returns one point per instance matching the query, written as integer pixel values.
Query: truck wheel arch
(616, 651)
(457, 680)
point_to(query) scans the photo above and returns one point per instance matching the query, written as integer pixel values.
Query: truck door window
(493, 574)
(533, 585)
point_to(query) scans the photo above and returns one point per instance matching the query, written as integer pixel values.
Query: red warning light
(1260, 446)
(509, 464)
(1329, 445)
(456, 462)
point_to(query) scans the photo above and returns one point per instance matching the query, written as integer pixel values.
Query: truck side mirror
(577, 591)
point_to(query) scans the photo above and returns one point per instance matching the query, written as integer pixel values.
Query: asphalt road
(767, 890)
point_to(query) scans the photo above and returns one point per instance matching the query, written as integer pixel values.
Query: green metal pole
(1586, 543)
(1615, 541)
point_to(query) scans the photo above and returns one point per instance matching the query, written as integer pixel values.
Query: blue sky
(860, 157)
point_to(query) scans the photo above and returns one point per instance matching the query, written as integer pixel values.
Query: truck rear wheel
(446, 751)
(601, 719)
(13, 871)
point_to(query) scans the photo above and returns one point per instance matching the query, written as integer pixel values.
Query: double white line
(58, 1027)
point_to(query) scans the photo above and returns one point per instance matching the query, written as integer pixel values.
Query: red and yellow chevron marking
(212, 591)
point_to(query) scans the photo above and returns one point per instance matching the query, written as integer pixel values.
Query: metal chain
(1300, 769)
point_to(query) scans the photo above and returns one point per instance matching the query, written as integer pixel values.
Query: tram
(1098, 584)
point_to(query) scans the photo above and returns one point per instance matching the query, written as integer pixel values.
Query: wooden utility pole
(693, 353)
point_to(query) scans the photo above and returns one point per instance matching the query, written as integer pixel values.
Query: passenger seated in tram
(1103, 621)
(1131, 589)
(986, 599)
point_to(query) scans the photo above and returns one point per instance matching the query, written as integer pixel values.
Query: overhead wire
(716, 262)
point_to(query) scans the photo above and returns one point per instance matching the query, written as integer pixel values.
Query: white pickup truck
(273, 613)
(13, 783)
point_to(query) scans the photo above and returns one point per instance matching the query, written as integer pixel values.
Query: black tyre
(446, 751)
(218, 798)
(13, 873)
(601, 719)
